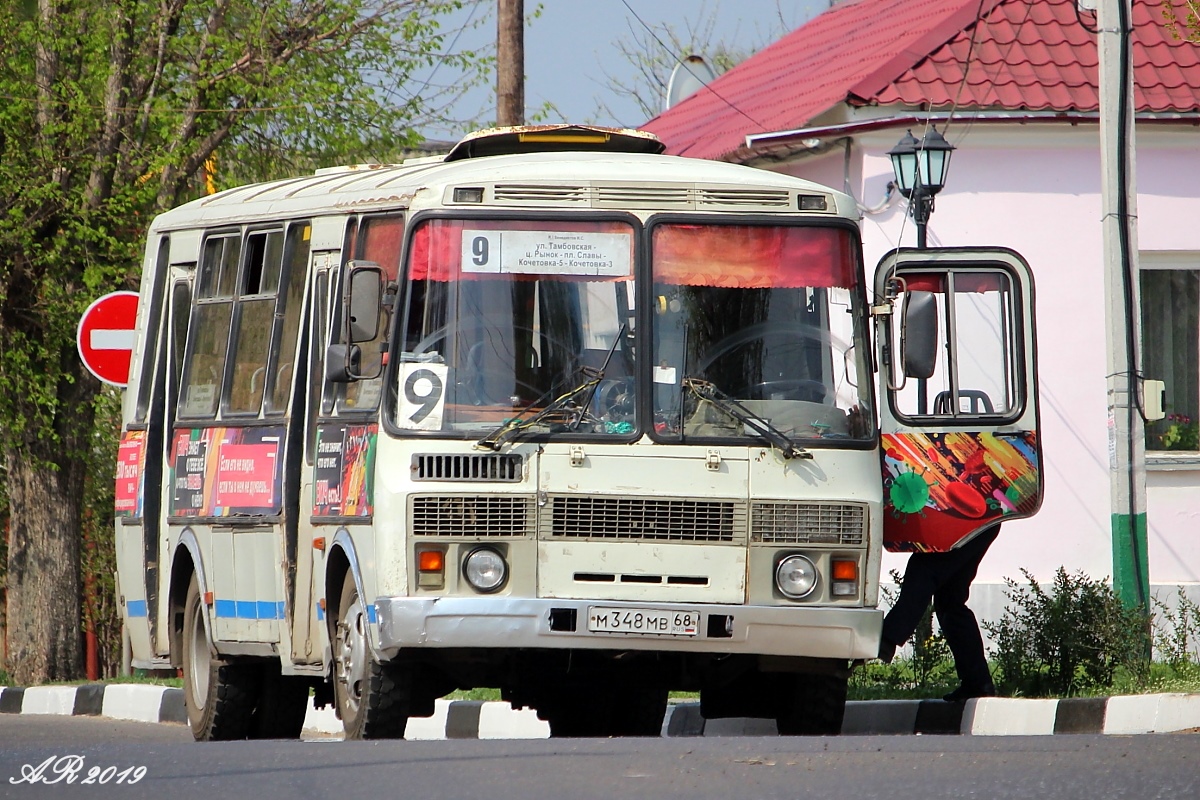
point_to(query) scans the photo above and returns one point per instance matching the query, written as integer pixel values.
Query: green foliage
(1067, 640)
(1187, 28)
(112, 112)
(1177, 634)
(1179, 432)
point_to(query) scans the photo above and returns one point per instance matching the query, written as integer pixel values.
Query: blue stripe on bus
(135, 608)
(372, 616)
(249, 609)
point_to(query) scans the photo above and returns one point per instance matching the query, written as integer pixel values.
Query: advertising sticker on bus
(345, 463)
(131, 463)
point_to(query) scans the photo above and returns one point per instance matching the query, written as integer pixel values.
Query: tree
(1188, 28)
(654, 50)
(109, 113)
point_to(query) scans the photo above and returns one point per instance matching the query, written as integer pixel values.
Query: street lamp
(920, 169)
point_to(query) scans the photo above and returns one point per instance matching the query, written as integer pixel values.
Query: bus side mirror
(362, 301)
(919, 335)
(343, 363)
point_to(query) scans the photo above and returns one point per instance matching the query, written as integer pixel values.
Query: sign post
(106, 336)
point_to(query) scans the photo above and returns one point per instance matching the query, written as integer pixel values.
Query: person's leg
(916, 591)
(958, 622)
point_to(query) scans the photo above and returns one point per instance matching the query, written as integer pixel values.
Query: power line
(663, 45)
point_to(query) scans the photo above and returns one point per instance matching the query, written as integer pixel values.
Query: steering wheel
(472, 378)
(797, 389)
(763, 330)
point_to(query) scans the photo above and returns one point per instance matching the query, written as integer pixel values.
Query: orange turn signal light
(431, 561)
(845, 570)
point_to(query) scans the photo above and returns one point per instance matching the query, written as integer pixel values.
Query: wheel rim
(198, 660)
(352, 652)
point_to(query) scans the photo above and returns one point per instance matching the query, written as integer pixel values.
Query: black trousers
(945, 578)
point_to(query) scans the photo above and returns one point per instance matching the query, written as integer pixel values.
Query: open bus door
(958, 383)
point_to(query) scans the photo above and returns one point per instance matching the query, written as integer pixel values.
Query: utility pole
(510, 63)
(1126, 431)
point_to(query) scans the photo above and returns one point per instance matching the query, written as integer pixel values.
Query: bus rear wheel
(219, 697)
(373, 698)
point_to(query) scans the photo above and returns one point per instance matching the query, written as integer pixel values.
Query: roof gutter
(760, 144)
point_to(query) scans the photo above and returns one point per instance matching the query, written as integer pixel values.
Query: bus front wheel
(373, 698)
(219, 697)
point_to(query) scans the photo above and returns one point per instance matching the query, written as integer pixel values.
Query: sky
(573, 46)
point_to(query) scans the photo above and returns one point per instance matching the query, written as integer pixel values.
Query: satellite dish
(688, 77)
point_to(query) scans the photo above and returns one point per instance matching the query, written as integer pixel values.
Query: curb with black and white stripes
(467, 719)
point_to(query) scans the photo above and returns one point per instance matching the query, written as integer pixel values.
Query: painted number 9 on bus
(422, 396)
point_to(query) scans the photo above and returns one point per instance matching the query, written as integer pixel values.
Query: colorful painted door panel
(960, 448)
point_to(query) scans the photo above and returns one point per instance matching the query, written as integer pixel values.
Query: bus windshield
(753, 320)
(502, 316)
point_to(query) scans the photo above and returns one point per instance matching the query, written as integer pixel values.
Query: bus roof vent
(526, 193)
(650, 196)
(727, 198)
(470, 467)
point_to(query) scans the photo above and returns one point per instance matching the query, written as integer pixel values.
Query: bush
(1068, 640)
(1177, 638)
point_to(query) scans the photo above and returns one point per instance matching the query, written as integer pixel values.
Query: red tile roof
(1027, 55)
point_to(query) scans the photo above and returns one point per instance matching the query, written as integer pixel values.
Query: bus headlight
(796, 577)
(485, 569)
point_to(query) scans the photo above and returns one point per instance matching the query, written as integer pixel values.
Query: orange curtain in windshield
(753, 256)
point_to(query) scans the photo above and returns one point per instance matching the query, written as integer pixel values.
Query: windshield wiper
(496, 439)
(707, 391)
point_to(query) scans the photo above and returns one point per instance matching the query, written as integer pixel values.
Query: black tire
(814, 706)
(373, 699)
(219, 696)
(640, 712)
(282, 705)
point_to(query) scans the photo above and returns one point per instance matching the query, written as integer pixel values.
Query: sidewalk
(466, 719)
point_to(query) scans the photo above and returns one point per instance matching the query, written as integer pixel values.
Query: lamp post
(920, 168)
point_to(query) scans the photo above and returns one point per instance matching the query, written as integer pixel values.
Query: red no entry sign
(106, 336)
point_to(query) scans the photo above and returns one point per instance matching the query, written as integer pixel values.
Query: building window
(1170, 306)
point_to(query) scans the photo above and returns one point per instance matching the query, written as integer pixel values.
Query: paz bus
(557, 414)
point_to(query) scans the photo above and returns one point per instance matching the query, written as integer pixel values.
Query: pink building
(1013, 85)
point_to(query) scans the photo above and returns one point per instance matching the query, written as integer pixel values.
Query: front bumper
(525, 623)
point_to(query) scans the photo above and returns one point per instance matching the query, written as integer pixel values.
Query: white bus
(557, 414)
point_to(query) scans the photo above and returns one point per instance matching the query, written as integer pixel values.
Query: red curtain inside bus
(753, 256)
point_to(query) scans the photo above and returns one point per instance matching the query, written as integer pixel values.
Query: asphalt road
(1059, 767)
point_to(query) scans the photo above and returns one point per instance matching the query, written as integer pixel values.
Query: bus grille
(644, 519)
(490, 467)
(808, 523)
(471, 516)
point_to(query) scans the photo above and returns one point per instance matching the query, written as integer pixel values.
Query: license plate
(654, 622)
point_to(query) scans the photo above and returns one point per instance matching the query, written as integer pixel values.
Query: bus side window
(379, 240)
(152, 339)
(253, 317)
(208, 339)
(319, 320)
(281, 368)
